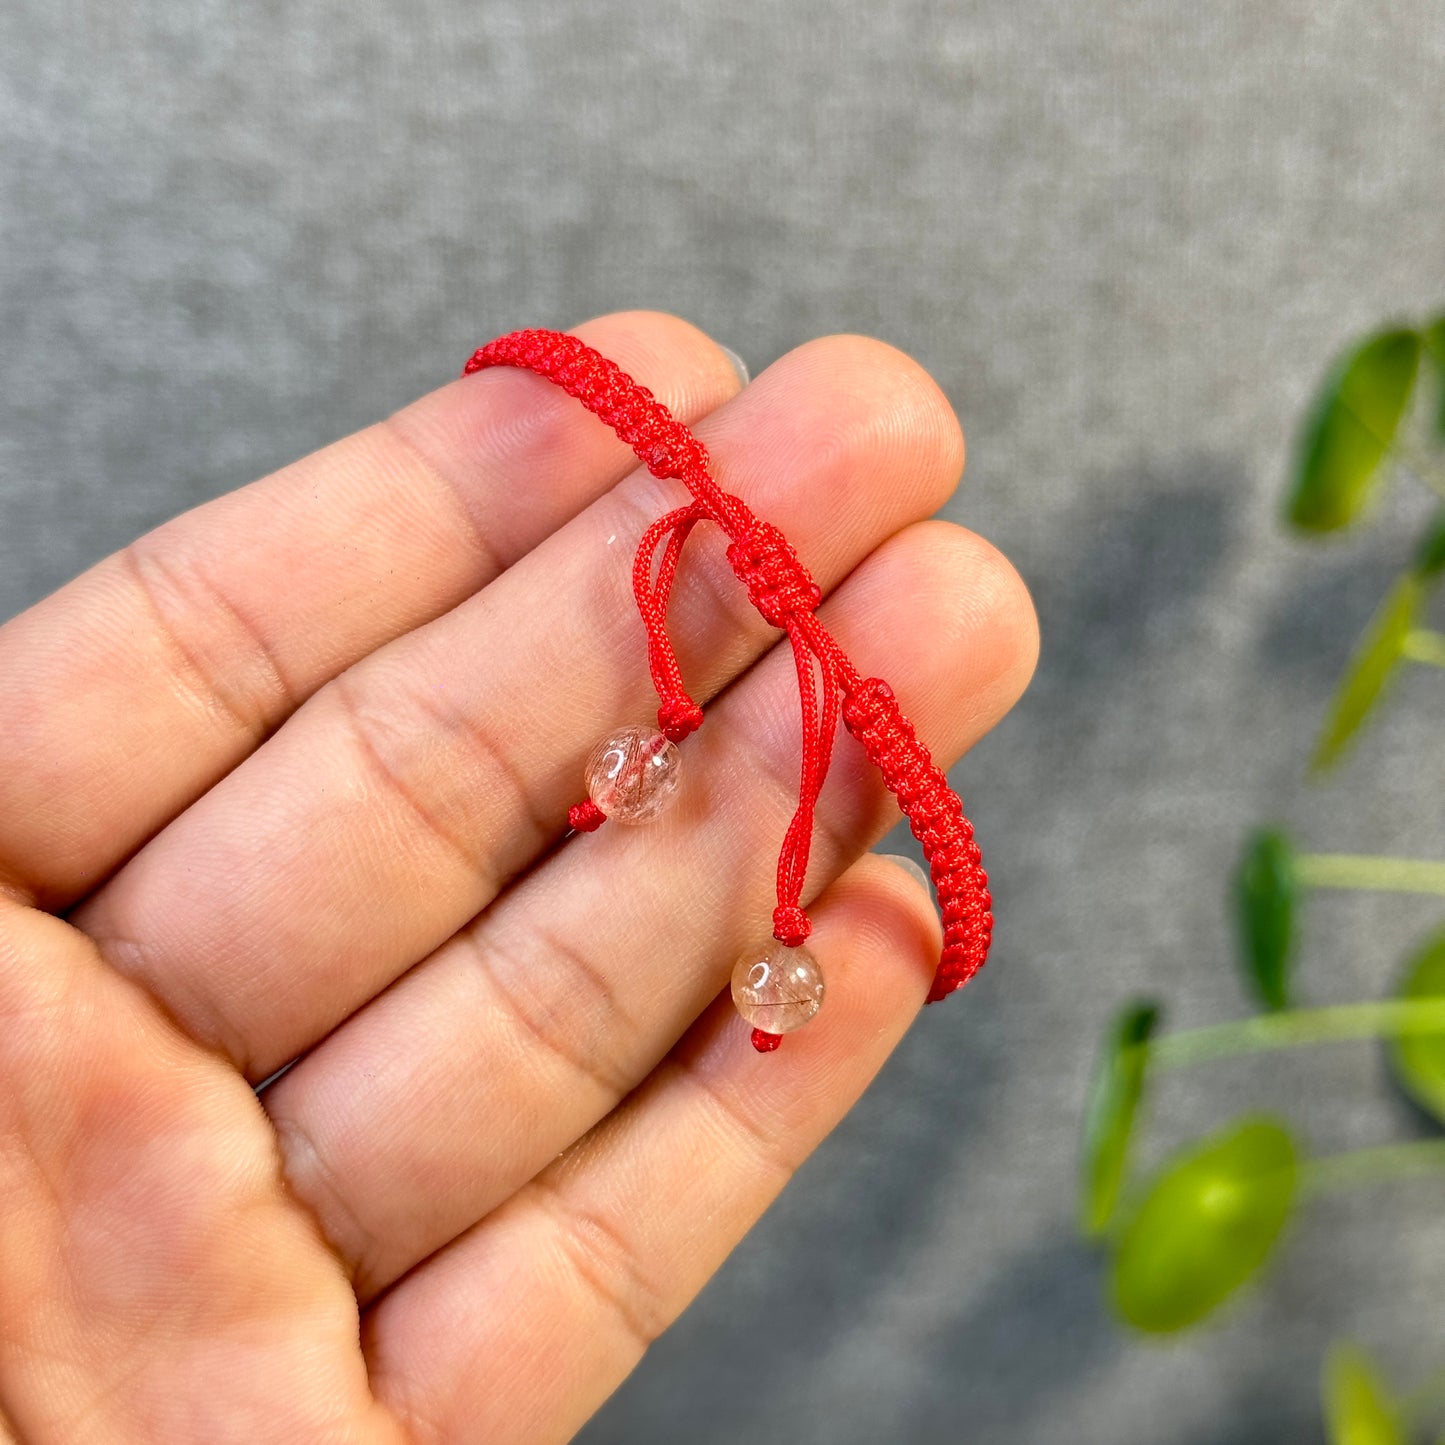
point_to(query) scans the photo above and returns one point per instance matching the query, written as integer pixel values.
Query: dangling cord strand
(678, 715)
(791, 924)
(780, 588)
(820, 726)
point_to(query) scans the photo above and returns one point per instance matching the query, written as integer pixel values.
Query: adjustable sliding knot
(791, 925)
(778, 584)
(678, 717)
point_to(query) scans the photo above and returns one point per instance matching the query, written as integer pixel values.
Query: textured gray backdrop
(1125, 238)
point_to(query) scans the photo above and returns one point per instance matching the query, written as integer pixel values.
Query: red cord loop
(678, 715)
(764, 1042)
(778, 584)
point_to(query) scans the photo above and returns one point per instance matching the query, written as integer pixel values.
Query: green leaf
(1265, 889)
(1113, 1102)
(1435, 349)
(1418, 1060)
(1350, 428)
(1206, 1226)
(1370, 669)
(1358, 1409)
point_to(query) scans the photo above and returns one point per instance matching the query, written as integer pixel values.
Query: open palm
(286, 780)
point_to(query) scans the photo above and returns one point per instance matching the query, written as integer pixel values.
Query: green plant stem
(1381, 875)
(1424, 645)
(1391, 1018)
(1372, 1166)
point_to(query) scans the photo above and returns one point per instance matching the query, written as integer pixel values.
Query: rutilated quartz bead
(632, 776)
(776, 988)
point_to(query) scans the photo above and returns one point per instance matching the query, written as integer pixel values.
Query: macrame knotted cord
(779, 586)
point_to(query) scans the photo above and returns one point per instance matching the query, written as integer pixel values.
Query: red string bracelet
(632, 775)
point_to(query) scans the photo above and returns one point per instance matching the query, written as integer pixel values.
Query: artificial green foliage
(1206, 1226)
(1184, 1242)
(1350, 429)
(1265, 891)
(1418, 1060)
(1374, 663)
(1357, 1406)
(1113, 1102)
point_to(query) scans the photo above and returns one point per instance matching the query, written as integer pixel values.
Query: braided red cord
(781, 589)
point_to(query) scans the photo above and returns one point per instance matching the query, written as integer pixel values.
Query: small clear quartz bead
(633, 775)
(776, 988)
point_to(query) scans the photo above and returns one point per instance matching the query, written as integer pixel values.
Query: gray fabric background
(1126, 239)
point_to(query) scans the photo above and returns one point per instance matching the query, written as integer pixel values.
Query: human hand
(286, 778)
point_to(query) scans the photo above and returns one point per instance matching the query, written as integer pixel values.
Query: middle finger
(396, 803)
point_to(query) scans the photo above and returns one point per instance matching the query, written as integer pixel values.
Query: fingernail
(911, 867)
(739, 365)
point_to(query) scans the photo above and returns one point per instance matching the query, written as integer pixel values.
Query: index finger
(133, 689)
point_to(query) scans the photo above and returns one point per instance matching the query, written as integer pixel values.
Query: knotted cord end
(678, 717)
(791, 925)
(586, 817)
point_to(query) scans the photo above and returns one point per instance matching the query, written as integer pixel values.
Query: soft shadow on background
(1125, 239)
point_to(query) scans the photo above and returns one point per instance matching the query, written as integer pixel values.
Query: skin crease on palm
(287, 778)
